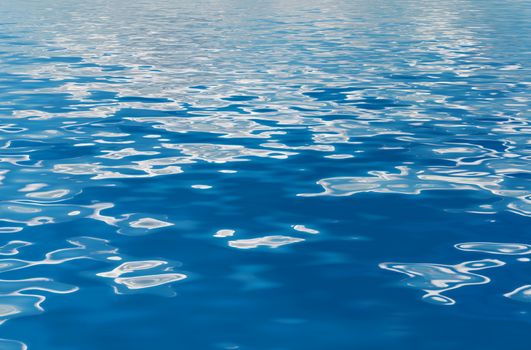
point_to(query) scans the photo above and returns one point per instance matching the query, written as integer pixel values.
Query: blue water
(265, 175)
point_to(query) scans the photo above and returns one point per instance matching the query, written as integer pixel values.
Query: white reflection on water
(7, 344)
(495, 248)
(143, 281)
(12, 247)
(23, 297)
(148, 281)
(224, 233)
(436, 279)
(433, 178)
(303, 228)
(267, 241)
(149, 223)
(522, 293)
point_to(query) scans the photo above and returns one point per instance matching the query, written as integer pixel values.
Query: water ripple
(156, 126)
(496, 248)
(436, 279)
(268, 241)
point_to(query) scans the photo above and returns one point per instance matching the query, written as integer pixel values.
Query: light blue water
(265, 175)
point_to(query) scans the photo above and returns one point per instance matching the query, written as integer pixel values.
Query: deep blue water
(265, 175)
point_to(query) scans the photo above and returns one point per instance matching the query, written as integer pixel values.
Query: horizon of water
(265, 175)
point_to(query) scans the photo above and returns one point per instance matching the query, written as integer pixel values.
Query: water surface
(266, 175)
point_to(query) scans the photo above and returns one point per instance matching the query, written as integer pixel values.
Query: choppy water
(265, 174)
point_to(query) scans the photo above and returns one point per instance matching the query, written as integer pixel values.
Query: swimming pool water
(265, 175)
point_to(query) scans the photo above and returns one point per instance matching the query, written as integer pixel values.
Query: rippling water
(265, 174)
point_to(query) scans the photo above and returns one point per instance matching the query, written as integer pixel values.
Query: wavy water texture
(23, 297)
(522, 293)
(276, 148)
(436, 279)
(268, 241)
(496, 248)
